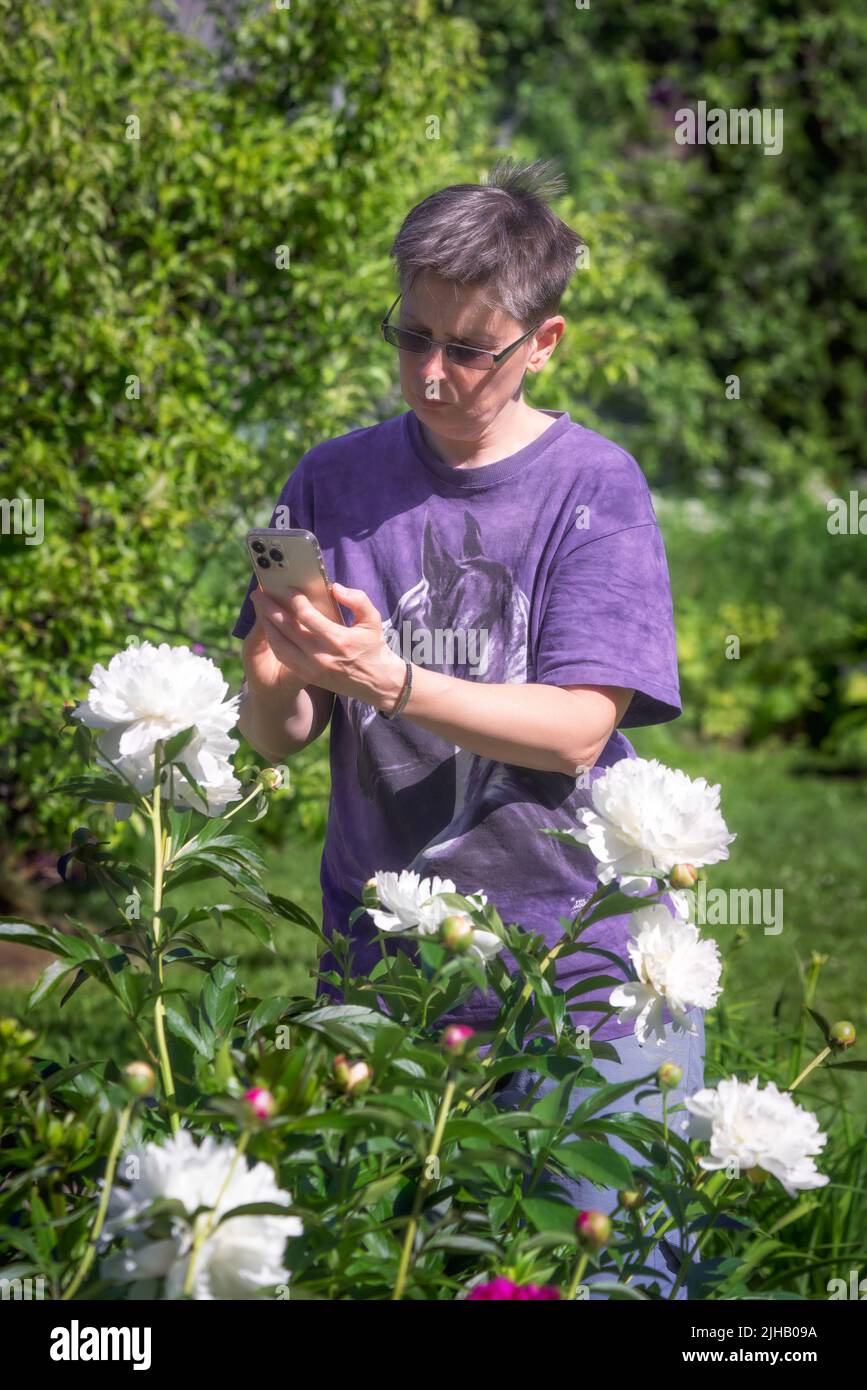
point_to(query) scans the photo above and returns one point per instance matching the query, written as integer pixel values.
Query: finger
(301, 611)
(357, 600)
(292, 656)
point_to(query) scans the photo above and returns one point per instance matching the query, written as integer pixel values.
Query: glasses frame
(497, 357)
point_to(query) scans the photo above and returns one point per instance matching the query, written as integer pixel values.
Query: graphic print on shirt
(463, 593)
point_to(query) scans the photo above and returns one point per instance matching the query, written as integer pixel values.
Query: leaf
(92, 786)
(218, 1001)
(546, 1215)
(48, 981)
(266, 1013)
(477, 1129)
(171, 747)
(820, 1021)
(182, 1028)
(618, 1291)
(474, 1244)
(601, 1164)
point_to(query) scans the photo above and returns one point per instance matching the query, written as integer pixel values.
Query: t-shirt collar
(471, 479)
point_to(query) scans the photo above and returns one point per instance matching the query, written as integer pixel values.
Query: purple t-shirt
(547, 566)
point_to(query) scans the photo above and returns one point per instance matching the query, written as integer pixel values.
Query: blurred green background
(160, 375)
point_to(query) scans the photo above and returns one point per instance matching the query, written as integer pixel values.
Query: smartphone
(292, 559)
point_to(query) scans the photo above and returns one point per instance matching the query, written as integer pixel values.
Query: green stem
(695, 1249)
(503, 1032)
(108, 1180)
(206, 1226)
(421, 1190)
(819, 1057)
(241, 804)
(161, 845)
(578, 1275)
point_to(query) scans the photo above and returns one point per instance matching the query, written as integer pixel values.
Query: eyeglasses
(462, 356)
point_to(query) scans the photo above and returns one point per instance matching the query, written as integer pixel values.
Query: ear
(545, 341)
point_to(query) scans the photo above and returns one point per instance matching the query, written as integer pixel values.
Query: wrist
(390, 689)
(270, 700)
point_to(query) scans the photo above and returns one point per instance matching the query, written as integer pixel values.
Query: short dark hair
(500, 234)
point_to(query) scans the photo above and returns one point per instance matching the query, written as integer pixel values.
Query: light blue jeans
(688, 1053)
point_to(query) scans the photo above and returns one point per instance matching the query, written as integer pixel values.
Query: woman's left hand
(352, 661)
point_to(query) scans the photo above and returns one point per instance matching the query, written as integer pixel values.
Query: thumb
(356, 599)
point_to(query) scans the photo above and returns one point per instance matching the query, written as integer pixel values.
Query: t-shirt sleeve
(293, 509)
(607, 616)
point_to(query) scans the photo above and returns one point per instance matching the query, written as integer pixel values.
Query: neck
(516, 426)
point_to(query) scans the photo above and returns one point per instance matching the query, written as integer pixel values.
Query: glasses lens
(406, 341)
(469, 357)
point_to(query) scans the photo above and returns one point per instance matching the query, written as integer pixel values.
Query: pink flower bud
(593, 1229)
(260, 1102)
(455, 1036)
(352, 1077)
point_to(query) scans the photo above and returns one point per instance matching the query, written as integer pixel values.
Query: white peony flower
(648, 816)
(240, 1256)
(757, 1129)
(410, 905)
(149, 693)
(674, 965)
(484, 945)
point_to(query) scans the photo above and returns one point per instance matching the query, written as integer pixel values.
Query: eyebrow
(479, 339)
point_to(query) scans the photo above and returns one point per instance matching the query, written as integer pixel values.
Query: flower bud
(632, 1198)
(668, 1076)
(272, 778)
(351, 1077)
(54, 1133)
(260, 1102)
(683, 876)
(456, 932)
(842, 1034)
(140, 1078)
(593, 1229)
(77, 1136)
(456, 1036)
(369, 894)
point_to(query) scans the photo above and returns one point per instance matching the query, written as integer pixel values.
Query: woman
(510, 603)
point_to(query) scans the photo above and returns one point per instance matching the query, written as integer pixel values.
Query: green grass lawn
(804, 834)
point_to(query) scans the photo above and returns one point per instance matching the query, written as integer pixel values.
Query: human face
(461, 402)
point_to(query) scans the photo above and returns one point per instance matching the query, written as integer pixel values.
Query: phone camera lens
(264, 562)
(276, 554)
(258, 546)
